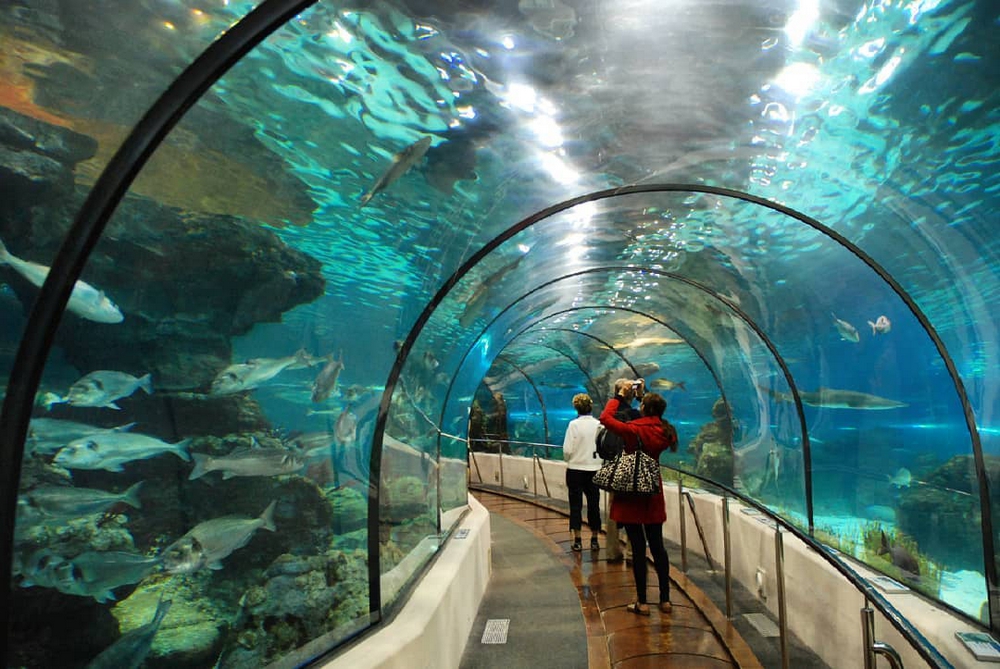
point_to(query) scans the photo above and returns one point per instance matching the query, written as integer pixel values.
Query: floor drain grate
(496, 630)
(762, 624)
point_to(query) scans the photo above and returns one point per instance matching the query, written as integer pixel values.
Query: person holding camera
(624, 388)
(643, 516)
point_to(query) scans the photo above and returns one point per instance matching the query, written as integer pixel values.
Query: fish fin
(180, 448)
(215, 566)
(131, 496)
(366, 197)
(4, 253)
(268, 516)
(874, 331)
(124, 428)
(200, 461)
(115, 468)
(146, 383)
(112, 405)
(226, 475)
(680, 384)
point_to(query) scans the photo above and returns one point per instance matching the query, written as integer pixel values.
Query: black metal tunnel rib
(534, 386)
(84, 234)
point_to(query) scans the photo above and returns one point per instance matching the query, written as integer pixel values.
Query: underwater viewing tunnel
(282, 281)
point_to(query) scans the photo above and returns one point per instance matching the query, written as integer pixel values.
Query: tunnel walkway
(694, 634)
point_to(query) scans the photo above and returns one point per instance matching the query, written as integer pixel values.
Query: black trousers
(581, 483)
(638, 535)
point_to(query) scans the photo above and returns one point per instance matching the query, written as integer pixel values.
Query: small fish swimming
(901, 479)
(346, 429)
(847, 331)
(250, 374)
(85, 301)
(326, 380)
(103, 387)
(247, 462)
(900, 557)
(882, 325)
(211, 541)
(48, 435)
(640, 342)
(72, 502)
(131, 648)
(401, 163)
(110, 450)
(665, 384)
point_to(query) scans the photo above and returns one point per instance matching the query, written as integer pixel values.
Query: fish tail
(200, 466)
(873, 327)
(680, 384)
(146, 383)
(161, 612)
(131, 496)
(4, 253)
(180, 448)
(268, 517)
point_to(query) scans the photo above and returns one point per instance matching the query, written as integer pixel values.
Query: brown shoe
(635, 607)
(666, 607)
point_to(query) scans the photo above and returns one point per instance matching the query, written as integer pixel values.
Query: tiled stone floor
(694, 634)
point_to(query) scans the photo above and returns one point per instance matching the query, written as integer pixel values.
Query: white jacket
(579, 449)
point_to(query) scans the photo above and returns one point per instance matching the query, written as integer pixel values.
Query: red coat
(645, 509)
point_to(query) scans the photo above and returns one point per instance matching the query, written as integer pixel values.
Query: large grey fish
(250, 374)
(247, 462)
(832, 398)
(131, 648)
(84, 301)
(326, 380)
(474, 305)
(847, 331)
(103, 387)
(71, 502)
(401, 163)
(211, 541)
(48, 435)
(113, 449)
(97, 573)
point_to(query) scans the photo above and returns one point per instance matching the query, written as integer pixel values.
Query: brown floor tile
(673, 661)
(664, 640)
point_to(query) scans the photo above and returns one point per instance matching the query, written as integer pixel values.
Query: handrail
(917, 640)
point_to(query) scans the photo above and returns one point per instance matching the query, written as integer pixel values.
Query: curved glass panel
(314, 209)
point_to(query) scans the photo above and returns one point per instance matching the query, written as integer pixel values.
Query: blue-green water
(271, 221)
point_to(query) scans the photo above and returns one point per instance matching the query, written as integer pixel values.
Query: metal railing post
(701, 532)
(727, 548)
(534, 474)
(779, 573)
(500, 454)
(680, 506)
(872, 648)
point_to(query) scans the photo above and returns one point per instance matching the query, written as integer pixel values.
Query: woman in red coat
(643, 516)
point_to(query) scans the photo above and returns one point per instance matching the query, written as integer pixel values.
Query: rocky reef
(712, 447)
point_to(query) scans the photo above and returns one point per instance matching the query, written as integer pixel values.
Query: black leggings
(637, 536)
(581, 483)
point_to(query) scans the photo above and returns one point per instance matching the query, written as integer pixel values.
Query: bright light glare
(522, 97)
(558, 169)
(882, 75)
(801, 21)
(547, 131)
(507, 41)
(798, 79)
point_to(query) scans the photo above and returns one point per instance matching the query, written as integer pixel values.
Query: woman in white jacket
(580, 454)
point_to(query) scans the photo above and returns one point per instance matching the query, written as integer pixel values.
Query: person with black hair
(643, 516)
(625, 389)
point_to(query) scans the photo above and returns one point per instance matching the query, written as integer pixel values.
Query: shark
(833, 398)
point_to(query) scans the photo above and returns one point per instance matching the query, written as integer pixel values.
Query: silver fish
(250, 374)
(103, 387)
(48, 435)
(847, 331)
(211, 541)
(346, 429)
(666, 384)
(111, 450)
(401, 163)
(882, 325)
(247, 462)
(474, 305)
(131, 648)
(71, 502)
(832, 398)
(85, 300)
(326, 381)
(901, 479)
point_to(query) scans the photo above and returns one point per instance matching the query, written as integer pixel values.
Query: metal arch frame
(989, 564)
(806, 448)
(82, 237)
(585, 334)
(571, 359)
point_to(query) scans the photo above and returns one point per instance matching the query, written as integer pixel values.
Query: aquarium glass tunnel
(270, 270)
